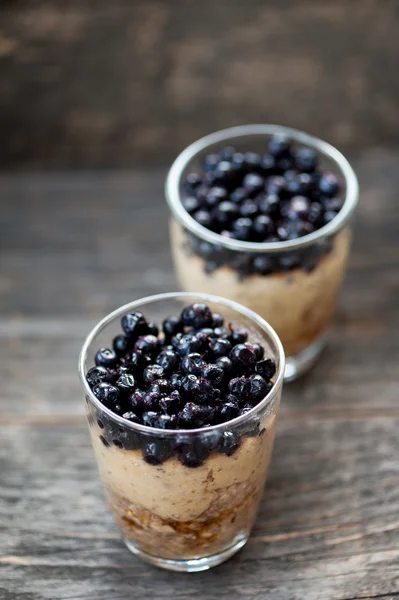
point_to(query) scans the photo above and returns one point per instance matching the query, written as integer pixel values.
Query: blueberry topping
(197, 374)
(105, 358)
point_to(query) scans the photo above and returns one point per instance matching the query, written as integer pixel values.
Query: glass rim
(173, 178)
(250, 314)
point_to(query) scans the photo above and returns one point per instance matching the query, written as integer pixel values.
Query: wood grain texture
(132, 83)
(74, 246)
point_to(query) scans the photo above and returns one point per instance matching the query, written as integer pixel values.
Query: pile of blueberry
(197, 374)
(278, 196)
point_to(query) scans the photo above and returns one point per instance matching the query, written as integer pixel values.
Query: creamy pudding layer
(297, 304)
(181, 513)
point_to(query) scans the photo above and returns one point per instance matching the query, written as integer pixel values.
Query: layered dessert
(185, 461)
(279, 196)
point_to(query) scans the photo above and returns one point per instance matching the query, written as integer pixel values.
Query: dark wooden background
(130, 83)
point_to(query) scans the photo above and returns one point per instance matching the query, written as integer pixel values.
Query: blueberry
(276, 185)
(104, 441)
(151, 418)
(148, 344)
(191, 452)
(225, 363)
(107, 394)
(328, 184)
(306, 159)
(263, 226)
(227, 153)
(193, 180)
(315, 213)
(226, 212)
(135, 360)
(203, 217)
(268, 164)
(329, 216)
(133, 324)
(221, 332)
(191, 416)
(191, 204)
(266, 368)
(192, 363)
(299, 207)
(186, 344)
(229, 443)
(239, 336)
(289, 261)
(240, 387)
(217, 320)
(259, 351)
(131, 416)
(176, 381)
(197, 315)
(199, 390)
(97, 375)
(229, 410)
(121, 344)
(152, 328)
(162, 387)
(129, 440)
(258, 389)
(249, 209)
(279, 146)
(167, 421)
(253, 183)
(219, 346)
(210, 162)
(252, 161)
(153, 372)
(156, 452)
(243, 355)
(167, 359)
(151, 401)
(263, 264)
(250, 428)
(270, 204)
(171, 326)
(213, 373)
(105, 358)
(238, 160)
(215, 196)
(239, 195)
(334, 204)
(225, 173)
(126, 383)
(136, 401)
(242, 228)
(171, 404)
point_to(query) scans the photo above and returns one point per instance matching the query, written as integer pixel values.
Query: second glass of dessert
(182, 396)
(260, 214)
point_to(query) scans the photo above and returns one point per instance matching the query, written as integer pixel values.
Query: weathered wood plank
(121, 83)
(328, 527)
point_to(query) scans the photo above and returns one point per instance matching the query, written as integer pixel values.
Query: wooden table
(74, 246)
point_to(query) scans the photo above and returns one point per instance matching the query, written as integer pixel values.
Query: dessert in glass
(182, 419)
(260, 214)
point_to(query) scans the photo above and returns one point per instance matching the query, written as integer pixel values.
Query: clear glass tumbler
(292, 284)
(184, 518)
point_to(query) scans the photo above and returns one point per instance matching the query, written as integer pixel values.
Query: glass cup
(185, 500)
(292, 284)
